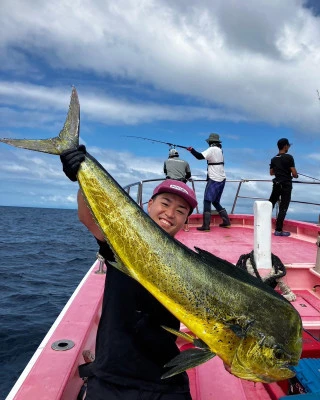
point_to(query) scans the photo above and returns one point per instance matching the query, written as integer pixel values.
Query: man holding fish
(238, 325)
(131, 346)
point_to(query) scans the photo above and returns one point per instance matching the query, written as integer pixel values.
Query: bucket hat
(213, 137)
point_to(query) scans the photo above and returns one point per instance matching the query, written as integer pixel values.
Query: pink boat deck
(53, 375)
(298, 252)
(230, 244)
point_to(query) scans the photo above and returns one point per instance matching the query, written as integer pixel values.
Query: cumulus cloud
(159, 63)
(257, 62)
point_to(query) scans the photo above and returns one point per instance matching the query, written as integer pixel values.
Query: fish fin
(183, 335)
(189, 338)
(221, 264)
(201, 344)
(68, 137)
(227, 268)
(120, 266)
(187, 359)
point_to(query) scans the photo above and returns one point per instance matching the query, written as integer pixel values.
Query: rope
(246, 262)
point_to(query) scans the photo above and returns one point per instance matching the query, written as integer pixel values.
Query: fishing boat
(52, 372)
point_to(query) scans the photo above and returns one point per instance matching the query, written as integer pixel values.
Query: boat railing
(140, 184)
(241, 183)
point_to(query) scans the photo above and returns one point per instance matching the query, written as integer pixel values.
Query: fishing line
(173, 146)
(316, 179)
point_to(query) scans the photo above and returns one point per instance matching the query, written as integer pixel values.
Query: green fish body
(253, 329)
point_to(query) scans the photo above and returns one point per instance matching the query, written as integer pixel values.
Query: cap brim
(213, 141)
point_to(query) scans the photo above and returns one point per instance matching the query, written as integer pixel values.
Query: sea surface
(44, 254)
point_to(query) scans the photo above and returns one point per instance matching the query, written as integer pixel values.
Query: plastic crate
(307, 396)
(308, 375)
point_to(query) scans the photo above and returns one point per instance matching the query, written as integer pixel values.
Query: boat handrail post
(100, 270)
(139, 194)
(262, 234)
(317, 265)
(194, 189)
(236, 196)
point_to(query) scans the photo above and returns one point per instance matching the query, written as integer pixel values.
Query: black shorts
(99, 389)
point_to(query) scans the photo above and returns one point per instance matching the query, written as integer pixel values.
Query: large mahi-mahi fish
(253, 329)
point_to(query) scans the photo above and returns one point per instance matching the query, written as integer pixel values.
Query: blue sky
(169, 70)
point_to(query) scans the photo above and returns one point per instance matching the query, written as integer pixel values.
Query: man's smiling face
(169, 211)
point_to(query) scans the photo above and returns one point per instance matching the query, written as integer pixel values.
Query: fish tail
(68, 137)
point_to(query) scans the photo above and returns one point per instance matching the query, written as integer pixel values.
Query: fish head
(265, 359)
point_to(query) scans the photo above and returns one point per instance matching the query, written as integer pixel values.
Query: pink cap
(179, 188)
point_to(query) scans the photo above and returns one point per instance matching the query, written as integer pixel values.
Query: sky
(173, 71)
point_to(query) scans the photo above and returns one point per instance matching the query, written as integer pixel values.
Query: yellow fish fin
(183, 335)
(68, 138)
(189, 338)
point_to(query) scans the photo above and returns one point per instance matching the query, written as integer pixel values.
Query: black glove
(71, 160)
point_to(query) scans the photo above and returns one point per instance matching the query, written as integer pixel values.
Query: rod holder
(262, 234)
(101, 269)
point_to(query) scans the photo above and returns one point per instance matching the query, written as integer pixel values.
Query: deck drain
(62, 345)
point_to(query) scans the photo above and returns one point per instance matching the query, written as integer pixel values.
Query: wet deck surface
(230, 244)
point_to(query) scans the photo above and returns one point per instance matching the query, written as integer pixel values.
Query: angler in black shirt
(283, 167)
(131, 345)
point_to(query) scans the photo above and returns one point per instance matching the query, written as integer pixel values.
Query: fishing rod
(316, 179)
(172, 145)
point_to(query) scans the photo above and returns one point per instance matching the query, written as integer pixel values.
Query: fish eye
(278, 352)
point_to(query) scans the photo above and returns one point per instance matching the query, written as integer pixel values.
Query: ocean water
(44, 254)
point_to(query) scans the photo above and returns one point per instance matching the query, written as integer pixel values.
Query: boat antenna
(316, 179)
(171, 145)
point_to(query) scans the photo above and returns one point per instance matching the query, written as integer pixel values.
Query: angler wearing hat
(283, 167)
(131, 345)
(216, 180)
(176, 168)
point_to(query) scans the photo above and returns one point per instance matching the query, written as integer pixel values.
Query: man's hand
(71, 160)
(189, 148)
